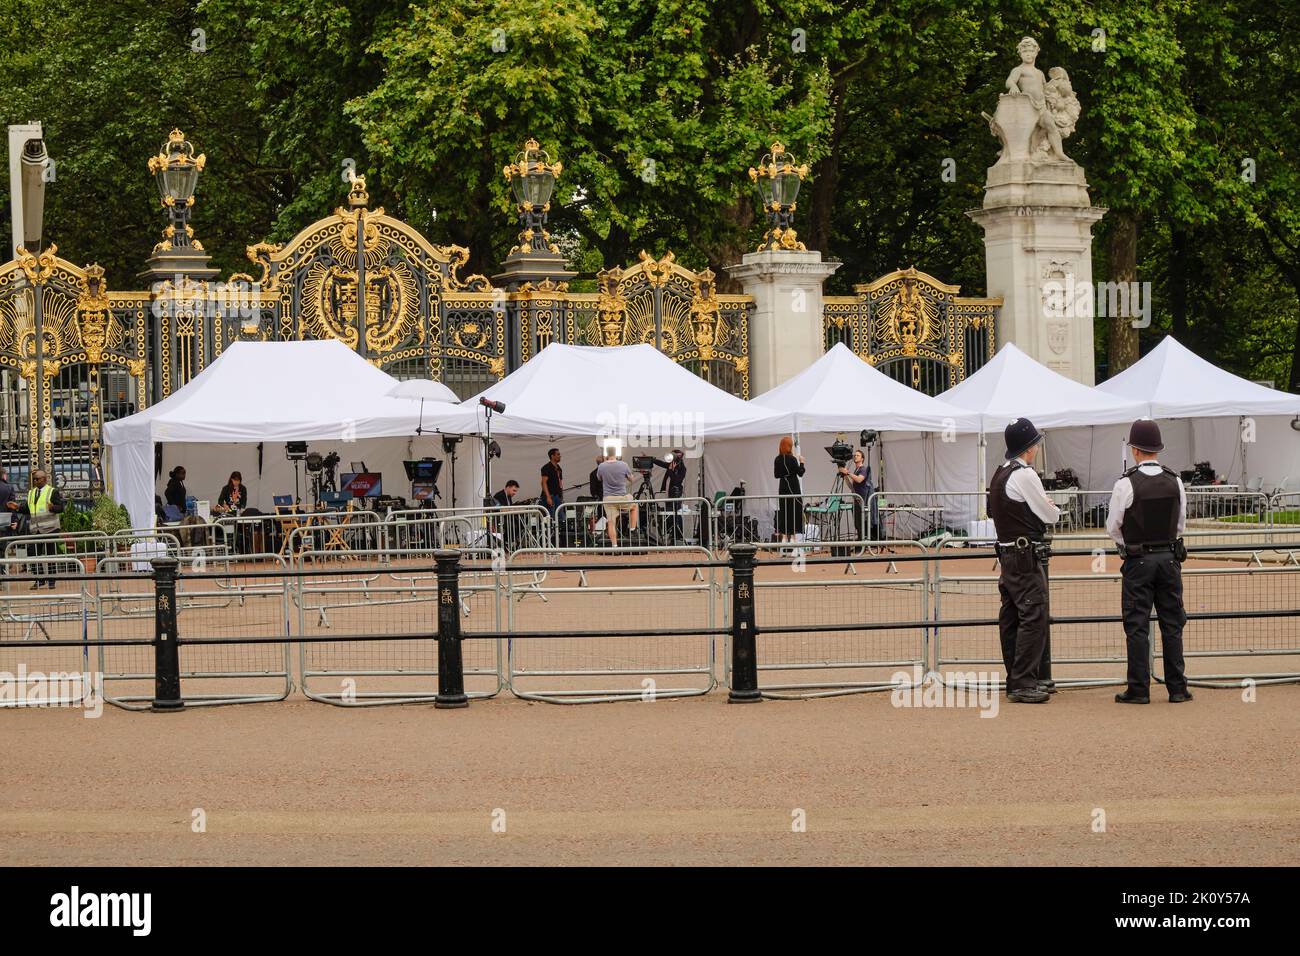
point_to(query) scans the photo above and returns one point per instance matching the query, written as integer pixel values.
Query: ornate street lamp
(536, 263)
(532, 178)
(778, 180)
(177, 169)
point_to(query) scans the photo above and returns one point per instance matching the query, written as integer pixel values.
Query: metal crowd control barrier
(829, 634)
(382, 610)
(469, 527)
(215, 611)
(326, 531)
(661, 522)
(430, 529)
(748, 519)
(923, 515)
(969, 596)
(597, 627)
(44, 657)
(966, 609)
(1249, 593)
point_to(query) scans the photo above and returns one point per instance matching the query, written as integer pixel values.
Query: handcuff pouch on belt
(1023, 556)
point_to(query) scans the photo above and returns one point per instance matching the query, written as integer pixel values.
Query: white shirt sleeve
(1025, 485)
(1120, 498)
(1182, 508)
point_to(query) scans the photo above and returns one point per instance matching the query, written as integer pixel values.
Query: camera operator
(673, 483)
(594, 490)
(858, 474)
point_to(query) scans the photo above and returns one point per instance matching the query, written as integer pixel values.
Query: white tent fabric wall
(270, 392)
(840, 395)
(208, 465)
(913, 462)
(522, 459)
(568, 395)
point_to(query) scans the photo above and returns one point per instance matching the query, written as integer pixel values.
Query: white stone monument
(785, 331)
(1038, 220)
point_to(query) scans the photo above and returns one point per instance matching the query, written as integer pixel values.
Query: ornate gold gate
(914, 328)
(72, 355)
(382, 289)
(656, 301)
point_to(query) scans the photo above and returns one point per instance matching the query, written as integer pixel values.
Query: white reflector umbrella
(426, 390)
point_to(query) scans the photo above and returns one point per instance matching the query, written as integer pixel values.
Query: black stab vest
(1012, 519)
(1152, 518)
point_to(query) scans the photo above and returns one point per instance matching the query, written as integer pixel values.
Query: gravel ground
(693, 781)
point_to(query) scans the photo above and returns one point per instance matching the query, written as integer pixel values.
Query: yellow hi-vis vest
(38, 502)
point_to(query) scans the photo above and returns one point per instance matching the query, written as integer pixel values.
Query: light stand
(296, 452)
(490, 407)
(449, 443)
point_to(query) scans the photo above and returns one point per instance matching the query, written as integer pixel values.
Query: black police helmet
(1145, 436)
(1021, 435)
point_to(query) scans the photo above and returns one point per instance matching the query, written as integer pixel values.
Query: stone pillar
(1037, 220)
(785, 331)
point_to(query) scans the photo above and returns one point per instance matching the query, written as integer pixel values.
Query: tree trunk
(729, 252)
(1293, 384)
(825, 182)
(1123, 340)
(1179, 276)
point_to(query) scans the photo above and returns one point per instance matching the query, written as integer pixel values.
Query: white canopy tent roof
(1012, 385)
(573, 397)
(267, 392)
(584, 390)
(1175, 382)
(841, 392)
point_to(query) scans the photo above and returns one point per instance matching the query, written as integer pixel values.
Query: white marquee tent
(840, 394)
(1243, 429)
(571, 396)
(238, 412)
(1012, 385)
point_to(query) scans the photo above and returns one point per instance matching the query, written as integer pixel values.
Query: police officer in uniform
(1148, 513)
(1021, 512)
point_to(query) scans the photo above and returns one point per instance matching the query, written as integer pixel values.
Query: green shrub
(75, 521)
(108, 516)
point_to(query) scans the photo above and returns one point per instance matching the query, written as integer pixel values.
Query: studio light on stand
(296, 452)
(490, 448)
(449, 443)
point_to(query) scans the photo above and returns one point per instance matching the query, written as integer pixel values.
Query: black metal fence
(648, 614)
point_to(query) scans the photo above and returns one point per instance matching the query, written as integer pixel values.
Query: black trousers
(1023, 624)
(1154, 579)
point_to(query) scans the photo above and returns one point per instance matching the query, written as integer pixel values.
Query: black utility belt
(1021, 544)
(1177, 548)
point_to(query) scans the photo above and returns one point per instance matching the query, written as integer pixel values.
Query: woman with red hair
(787, 470)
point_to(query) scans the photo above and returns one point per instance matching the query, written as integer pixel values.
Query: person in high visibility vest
(43, 505)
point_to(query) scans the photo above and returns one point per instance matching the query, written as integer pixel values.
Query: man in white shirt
(1021, 512)
(1147, 518)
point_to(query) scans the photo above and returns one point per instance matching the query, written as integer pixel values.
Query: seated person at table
(506, 496)
(234, 496)
(510, 528)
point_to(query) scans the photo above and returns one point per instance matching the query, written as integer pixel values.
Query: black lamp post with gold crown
(176, 170)
(178, 272)
(532, 177)
(778, 180)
